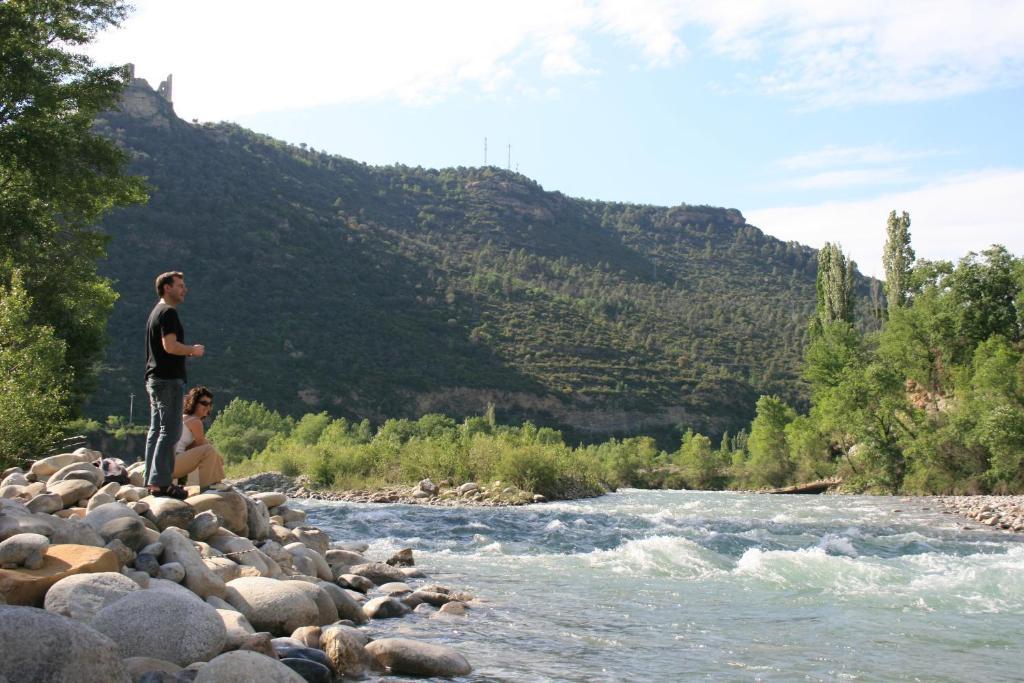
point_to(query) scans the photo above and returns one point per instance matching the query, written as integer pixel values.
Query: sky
(814, 118)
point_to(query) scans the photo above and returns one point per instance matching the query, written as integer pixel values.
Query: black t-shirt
(163, 320)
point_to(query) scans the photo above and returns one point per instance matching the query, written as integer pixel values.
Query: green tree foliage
(769, 464)
(834, 288)
(897, 259)
(33, 384)
(243, 428)
(57, 177)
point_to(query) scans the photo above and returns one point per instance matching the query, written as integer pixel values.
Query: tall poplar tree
(834, 288)
(897, 258)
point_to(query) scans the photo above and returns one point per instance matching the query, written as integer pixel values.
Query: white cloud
(847, 178)
(949, 218)
(839, 155)
(232, 59)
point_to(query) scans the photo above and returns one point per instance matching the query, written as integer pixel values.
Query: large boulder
(198, 577)
(237, 628)
(46, 503)
(279, 607)
(313, 538)
(320, 567)
(165, 512)
(29, 586)
(346, 605)
(384, 608)
(311, 672)
(72, 490)
(327, 613)
(244, 666)
(271, 499)
(47, 467)
(345, 647)
(78, 470)
(99, 516)
(74, 530)
(23, 550)
(130, 531)
(259, 519)
(242, 551)
(82, 596)
(412, 657)
(41, 646)
(378, 572)
(159, 624)
(229, 506)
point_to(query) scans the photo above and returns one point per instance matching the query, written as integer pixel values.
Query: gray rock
(84, 471)
(346, 605)
(403, 558)
(163, 625)
(236, 626)
(311, 672)
(110, 488)
(271, 499)
(139, 577)
(279, 607)
(99, 516)
(74, 530)
(145, 562)
(46, 467)
(469, 487)
(15, 479)
(302, 652)
(129, 530)
(99, 499)
(354, 582)
(229, 506)
(46, 503)
(404, 656)
(344, 646)
(320, 567)
(198, 577)
(259, 642)
(167, 512)
(41, 646)
(24, 550)
(428, 487)
(172, 571)
(125, 555)
(313, 538)
(243, 666)
(378, 572)
(308, 635)
(82, 596)
(165, 586)
(12, 525)
(432, 597)
(384, 608)
(259, 519)
(395, 588)
(327, 613)
(71, 490)
(454, 608)
(137, 666)
(204, 525)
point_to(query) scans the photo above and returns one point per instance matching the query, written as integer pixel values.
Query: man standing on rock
(165, 383)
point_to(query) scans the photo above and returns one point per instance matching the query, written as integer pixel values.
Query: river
(686, 585)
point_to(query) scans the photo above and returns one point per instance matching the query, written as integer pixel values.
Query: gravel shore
(999, 512)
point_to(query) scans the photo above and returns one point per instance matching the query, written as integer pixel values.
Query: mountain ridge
(323, 283)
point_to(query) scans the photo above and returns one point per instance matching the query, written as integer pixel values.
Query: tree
(898, 259)
(769, 463)
(833, 287)
(57, 177)
(33, 387)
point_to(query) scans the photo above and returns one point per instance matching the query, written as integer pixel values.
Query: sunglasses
(206, 403)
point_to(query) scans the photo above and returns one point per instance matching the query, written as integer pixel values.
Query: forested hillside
(320, 283)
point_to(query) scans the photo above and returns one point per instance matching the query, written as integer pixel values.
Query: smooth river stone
(403, 656)
(29, 586)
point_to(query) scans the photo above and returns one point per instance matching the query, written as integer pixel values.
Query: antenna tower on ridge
(509, 167)
(485, 151)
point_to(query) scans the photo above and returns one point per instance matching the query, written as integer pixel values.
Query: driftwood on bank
(811, 487)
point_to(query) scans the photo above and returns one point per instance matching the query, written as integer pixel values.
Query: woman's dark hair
(194, 395)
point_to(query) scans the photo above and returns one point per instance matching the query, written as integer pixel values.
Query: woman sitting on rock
(193, 452)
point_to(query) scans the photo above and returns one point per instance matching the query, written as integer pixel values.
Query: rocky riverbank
(102, 582)
(999, 512)
(426, 492)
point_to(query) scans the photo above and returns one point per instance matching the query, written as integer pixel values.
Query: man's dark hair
(166, 280)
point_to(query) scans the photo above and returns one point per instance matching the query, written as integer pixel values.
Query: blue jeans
(165, 397)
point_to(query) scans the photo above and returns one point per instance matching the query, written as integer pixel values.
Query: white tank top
(187, 437)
